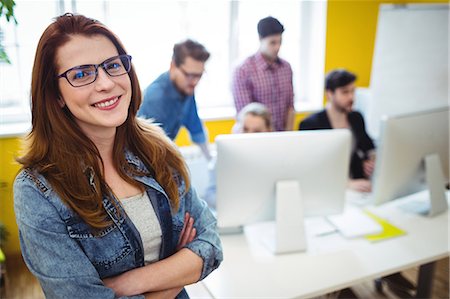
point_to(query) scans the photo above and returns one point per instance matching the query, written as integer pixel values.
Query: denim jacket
(70, 262)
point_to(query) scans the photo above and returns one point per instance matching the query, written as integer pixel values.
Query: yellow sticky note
(389, 230)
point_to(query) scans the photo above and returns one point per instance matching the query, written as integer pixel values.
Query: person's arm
(194, 125)
(365, 143)
(366, 147)
(290, 119)
(193, 262)
(174, 272)
(370, 155)
(127, 283)
(241, 89)
(56, 259)
(205, 150)
(369, 163)
(171, 293)
(207, 243)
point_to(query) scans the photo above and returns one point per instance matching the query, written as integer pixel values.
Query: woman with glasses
(102, 201)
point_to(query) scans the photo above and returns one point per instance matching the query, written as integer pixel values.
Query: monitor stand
(436, 186)
(289, 231)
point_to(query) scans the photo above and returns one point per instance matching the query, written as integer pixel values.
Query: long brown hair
(59, 150)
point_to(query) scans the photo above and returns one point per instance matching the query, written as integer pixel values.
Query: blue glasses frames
(86, 74)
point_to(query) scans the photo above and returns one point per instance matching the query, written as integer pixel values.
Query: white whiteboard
(410, 62)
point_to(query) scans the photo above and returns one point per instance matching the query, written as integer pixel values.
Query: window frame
(308, 73)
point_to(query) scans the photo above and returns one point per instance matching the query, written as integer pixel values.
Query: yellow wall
(217, 127)
(350, 38)
(9, 147)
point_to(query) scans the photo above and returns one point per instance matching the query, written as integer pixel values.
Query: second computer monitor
(249, 166)
(406, 140)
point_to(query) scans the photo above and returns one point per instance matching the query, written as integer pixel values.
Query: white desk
(330, 262)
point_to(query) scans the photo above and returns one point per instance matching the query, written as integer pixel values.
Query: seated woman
(103, 202)
(253, 118)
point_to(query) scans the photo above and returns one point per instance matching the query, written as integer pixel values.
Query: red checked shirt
(255, 80)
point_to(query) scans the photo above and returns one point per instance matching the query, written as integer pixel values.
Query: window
(20, 44)
(303, 42)
(149, 29)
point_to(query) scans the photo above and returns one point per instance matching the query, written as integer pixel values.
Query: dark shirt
(363, 143)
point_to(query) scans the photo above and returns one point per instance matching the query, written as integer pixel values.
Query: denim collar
(149, 181)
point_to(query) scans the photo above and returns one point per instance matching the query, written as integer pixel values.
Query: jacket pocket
(104, 248)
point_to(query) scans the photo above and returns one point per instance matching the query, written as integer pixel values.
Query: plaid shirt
(270, 84)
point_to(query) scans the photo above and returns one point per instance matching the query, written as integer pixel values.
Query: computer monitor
(405, 143)
(250, 165)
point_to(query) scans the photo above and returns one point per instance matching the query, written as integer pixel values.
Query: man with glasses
(266, 78)
(170, 99)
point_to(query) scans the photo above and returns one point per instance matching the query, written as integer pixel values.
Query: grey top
(143, 216)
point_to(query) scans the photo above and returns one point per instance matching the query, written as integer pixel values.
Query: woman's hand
(123, 284)
(187, 233)
(170, 293)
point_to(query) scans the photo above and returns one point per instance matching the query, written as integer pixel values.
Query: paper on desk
(355, 223)
(359, 199)
(318, 226)
(389, 230)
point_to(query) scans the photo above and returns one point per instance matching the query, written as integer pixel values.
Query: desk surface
(331, 262)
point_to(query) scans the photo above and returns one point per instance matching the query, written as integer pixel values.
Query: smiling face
(100, 107)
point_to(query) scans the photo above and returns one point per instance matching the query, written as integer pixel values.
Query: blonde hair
(255, 109)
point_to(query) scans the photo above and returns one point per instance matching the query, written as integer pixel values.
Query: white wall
(410, 64)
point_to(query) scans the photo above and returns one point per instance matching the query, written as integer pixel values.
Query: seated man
(340, 91)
